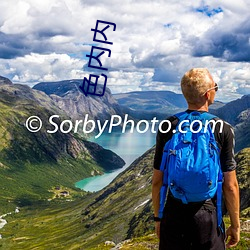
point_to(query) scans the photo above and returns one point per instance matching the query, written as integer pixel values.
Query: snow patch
(2, 223)
(142, 204)
(143, 186)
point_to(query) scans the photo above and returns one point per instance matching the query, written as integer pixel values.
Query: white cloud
(34, 68)
(153, 45)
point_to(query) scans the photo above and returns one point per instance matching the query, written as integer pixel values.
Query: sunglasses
(216, 87)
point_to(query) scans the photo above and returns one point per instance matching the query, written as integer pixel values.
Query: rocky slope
(242, 130)
(31, 163)
(68, 97)
(237, 114)
(232, 110)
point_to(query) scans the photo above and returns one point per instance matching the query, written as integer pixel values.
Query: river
(128, 146)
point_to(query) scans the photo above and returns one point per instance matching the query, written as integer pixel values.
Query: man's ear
(207, 95)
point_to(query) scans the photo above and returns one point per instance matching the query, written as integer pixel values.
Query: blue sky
(154, 44)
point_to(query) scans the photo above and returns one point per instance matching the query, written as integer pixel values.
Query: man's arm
(231, 195)
(156, 187)
(157, 178)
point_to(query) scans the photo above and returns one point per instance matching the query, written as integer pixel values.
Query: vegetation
(57, 225)
(32, 163)
(38, 172)
(118, 213)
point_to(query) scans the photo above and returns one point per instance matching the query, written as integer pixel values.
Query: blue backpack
(191, 162)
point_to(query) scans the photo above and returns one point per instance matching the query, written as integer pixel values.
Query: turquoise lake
(129, 146)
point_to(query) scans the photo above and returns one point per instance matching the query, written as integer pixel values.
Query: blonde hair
(195, 83)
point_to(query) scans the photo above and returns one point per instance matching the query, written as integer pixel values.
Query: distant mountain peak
(4, 80)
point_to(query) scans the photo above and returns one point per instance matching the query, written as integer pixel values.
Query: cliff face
(69, 98)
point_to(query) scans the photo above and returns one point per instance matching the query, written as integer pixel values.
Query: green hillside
(31, 164)
(123, 210)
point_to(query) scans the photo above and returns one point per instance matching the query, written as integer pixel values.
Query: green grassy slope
(123, 210)
(54, 225)
(33, 163)
(85, 222)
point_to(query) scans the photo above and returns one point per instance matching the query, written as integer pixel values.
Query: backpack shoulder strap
(208, 116)
(182, 115)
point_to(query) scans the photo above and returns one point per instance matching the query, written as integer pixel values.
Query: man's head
(197, 86)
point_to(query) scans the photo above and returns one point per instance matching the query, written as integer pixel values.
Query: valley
(38, 171)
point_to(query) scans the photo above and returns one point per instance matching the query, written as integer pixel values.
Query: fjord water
(128, 146)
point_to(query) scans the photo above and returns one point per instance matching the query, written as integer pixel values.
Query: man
(194, 225)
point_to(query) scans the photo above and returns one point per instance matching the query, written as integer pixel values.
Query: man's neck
(198, 107)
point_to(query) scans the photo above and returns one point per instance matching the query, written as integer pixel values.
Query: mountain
(69, 98)
(242, 130)
(149, 104)
(237, 114)
(38, 166)
(216, 105)
(232, 110)
(32, 163)
(106, 215)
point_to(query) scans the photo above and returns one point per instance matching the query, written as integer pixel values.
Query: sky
(155, 42)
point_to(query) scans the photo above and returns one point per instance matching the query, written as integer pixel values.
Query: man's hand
(157, 228)
(233, 236)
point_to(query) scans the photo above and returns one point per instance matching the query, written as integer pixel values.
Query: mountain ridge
(68, 97)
